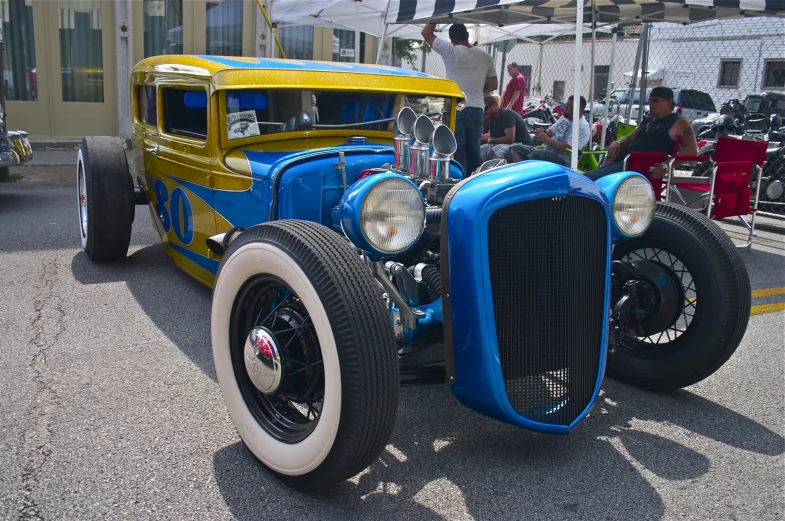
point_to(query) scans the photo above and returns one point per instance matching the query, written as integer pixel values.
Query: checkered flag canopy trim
(507, 12)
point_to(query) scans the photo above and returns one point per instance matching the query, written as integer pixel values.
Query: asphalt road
(110, 409)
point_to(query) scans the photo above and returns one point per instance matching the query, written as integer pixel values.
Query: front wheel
(304, 353)
(694, 259)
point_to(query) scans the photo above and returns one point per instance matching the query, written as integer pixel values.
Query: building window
(148, 105)
(730, 70)
(774, 74)
(20, 78)
(224, 20)
(601, 80)
(526, 72)
(297, 42)
(343, 46)
(81, 54)
(163, 27)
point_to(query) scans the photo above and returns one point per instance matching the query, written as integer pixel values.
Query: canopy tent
(509, 12)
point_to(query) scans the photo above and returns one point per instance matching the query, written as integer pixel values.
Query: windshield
(753, 103)
(260, 112)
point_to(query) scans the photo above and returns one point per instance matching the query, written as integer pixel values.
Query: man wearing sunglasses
(658, 132)
(505, 127)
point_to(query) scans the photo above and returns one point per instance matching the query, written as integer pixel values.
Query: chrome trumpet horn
(423, 131)
(444, 146)
(403, 155)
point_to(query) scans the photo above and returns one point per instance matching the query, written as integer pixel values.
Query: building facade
(67, 63)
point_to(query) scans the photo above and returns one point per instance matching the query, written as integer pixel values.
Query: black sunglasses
(654, 100)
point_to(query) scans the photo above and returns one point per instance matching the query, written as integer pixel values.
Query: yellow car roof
(234, 72)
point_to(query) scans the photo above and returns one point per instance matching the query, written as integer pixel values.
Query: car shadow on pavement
(177, 304)
(445, 461)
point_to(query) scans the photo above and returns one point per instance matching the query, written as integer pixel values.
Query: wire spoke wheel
(697, 291)
(292, 412)
(304, 353)
(679, 274)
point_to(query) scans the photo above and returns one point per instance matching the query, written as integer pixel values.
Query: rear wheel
(304, 353)
(698, 265)
(105, 193)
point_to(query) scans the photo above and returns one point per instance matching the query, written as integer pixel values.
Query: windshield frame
(324, 130)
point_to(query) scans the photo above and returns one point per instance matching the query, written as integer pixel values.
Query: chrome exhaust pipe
(444, 146)
(218, 244)
(403, 155)
(423, 132)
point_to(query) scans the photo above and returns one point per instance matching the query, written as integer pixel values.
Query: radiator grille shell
(547, 264)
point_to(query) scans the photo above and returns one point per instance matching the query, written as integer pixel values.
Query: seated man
(658, 132)
(557, 139)
(505, 128)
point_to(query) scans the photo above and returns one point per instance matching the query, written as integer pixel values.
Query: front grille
(547, 264)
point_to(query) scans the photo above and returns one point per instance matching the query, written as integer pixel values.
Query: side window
(148, 105)
(185, 112)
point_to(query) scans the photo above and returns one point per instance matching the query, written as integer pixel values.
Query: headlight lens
(393, 216)
(633, 206)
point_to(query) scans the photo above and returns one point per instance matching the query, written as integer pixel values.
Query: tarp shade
(564, 11)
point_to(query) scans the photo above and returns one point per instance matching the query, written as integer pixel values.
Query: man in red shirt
(514, 91)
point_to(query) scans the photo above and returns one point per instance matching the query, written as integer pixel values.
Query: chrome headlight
(393, 216)
(633, 206)
(383, 214)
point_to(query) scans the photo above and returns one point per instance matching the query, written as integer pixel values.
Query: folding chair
(643, 162)
(728, 192)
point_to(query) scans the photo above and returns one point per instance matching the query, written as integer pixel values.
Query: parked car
(692, 104)
(338, 250)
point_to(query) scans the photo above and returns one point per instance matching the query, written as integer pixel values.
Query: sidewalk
(61, 157)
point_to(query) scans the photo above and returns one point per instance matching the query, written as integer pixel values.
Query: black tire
(105, 194)
(716, 289)
(303, 269)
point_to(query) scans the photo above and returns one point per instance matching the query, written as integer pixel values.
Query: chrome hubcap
(262, 360)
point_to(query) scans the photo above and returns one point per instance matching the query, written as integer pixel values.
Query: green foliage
(15, 177)
(407, 50)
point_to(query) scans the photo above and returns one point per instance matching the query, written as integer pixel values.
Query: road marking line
(767, 292)
(767, 308)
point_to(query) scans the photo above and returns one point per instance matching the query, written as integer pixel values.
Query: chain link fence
(721, 67)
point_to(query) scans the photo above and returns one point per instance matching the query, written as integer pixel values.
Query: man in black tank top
(658, 132)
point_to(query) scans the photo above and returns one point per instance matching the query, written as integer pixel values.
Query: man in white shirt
(557, 139)
(475, 73)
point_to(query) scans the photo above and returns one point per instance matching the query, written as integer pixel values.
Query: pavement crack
(48, 325)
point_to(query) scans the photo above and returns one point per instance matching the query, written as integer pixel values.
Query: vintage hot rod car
(320, 202)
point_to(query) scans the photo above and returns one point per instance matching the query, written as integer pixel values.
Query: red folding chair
(728, 192)
(643, 162)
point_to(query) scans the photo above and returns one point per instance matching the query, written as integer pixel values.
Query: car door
(180, 178)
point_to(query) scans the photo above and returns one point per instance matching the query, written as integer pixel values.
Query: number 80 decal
(176, 213)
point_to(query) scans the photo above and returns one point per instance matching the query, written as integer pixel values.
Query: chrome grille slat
(547, 263)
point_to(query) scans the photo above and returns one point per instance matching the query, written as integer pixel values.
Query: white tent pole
(384, 34)
(608, 92)
(357, 32)
(634, 79)
(576, 102)
(644, 68)
(591, 76)
(539, 73)
(381, 44)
